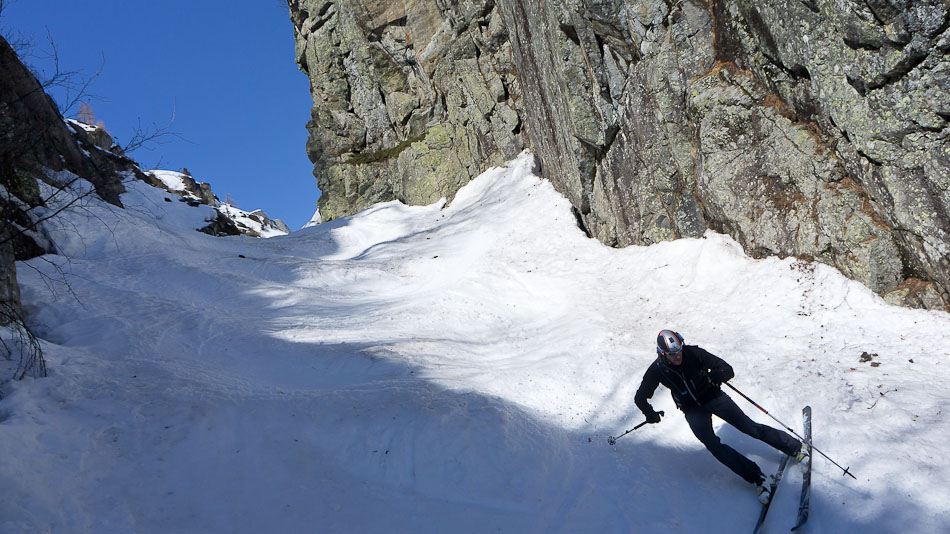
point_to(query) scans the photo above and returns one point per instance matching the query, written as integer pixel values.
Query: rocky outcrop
(34, 134)
(813, 128)
(183, 185)
(35, 144)
(228, 220)
(411, 98)
(728, 117)
(872, 80)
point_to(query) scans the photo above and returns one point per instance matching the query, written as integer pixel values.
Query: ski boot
(802, 456)
(764, 489)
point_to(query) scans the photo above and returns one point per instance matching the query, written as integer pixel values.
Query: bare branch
(35, 223)
(24, 346)
(156, 135)
(73, 84)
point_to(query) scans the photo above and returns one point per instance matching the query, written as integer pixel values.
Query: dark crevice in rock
(858, 85)
(796, 72)
(571, 33)
(764, 33)
(900, 70)
(319, 24)
(615, 39)
(727, 46)
(908, 267)
(610, 135)
(323, 16)
(299, 16)
(943, 27)
(381, 155)
(675, 12)
(486, 10)
(934, 129)
(382, 96)
(874, 8)
(517, 129)
(855, 44)
(599, 39)
(597, 150)
(405, 120)
(869, 158)
(800, 72)
(580, 222)
(811, 5)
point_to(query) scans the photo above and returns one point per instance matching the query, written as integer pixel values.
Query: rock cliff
(35, 145)
(813, 128)
(412, 99)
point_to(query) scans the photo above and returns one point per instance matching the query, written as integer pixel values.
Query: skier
(694, 377)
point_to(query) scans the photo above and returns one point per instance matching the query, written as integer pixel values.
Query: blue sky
(226, 71)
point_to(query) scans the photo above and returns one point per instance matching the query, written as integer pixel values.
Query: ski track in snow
(459, 368)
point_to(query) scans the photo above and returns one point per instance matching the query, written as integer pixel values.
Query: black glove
(717, 378)
(652, 417)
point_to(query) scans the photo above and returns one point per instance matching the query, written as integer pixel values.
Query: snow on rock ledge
(231, 220)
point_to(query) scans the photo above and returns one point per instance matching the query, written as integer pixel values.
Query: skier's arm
(719, 370)
(648, 385)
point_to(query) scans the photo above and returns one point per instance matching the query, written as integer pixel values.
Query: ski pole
(613, 440)
(816, 449)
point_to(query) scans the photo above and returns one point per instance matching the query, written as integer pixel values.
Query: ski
(772, 488)
(806, 474)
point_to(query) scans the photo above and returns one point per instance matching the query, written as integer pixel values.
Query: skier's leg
(700, 422)
(726, 409)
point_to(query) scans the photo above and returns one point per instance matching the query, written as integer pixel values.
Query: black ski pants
(700, 422)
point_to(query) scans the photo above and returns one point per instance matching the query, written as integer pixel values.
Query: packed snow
(449, 368)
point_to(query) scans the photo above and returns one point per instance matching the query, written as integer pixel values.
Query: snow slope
(448, 369)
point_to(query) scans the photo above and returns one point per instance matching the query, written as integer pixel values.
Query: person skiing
(694, 376)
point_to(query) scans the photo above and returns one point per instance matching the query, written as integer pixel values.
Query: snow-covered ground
(448, 369)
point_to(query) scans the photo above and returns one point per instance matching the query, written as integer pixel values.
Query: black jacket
(692, 383)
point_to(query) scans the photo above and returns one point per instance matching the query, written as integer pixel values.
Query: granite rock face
(808, 128)
(411, 98)
(873, 79)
